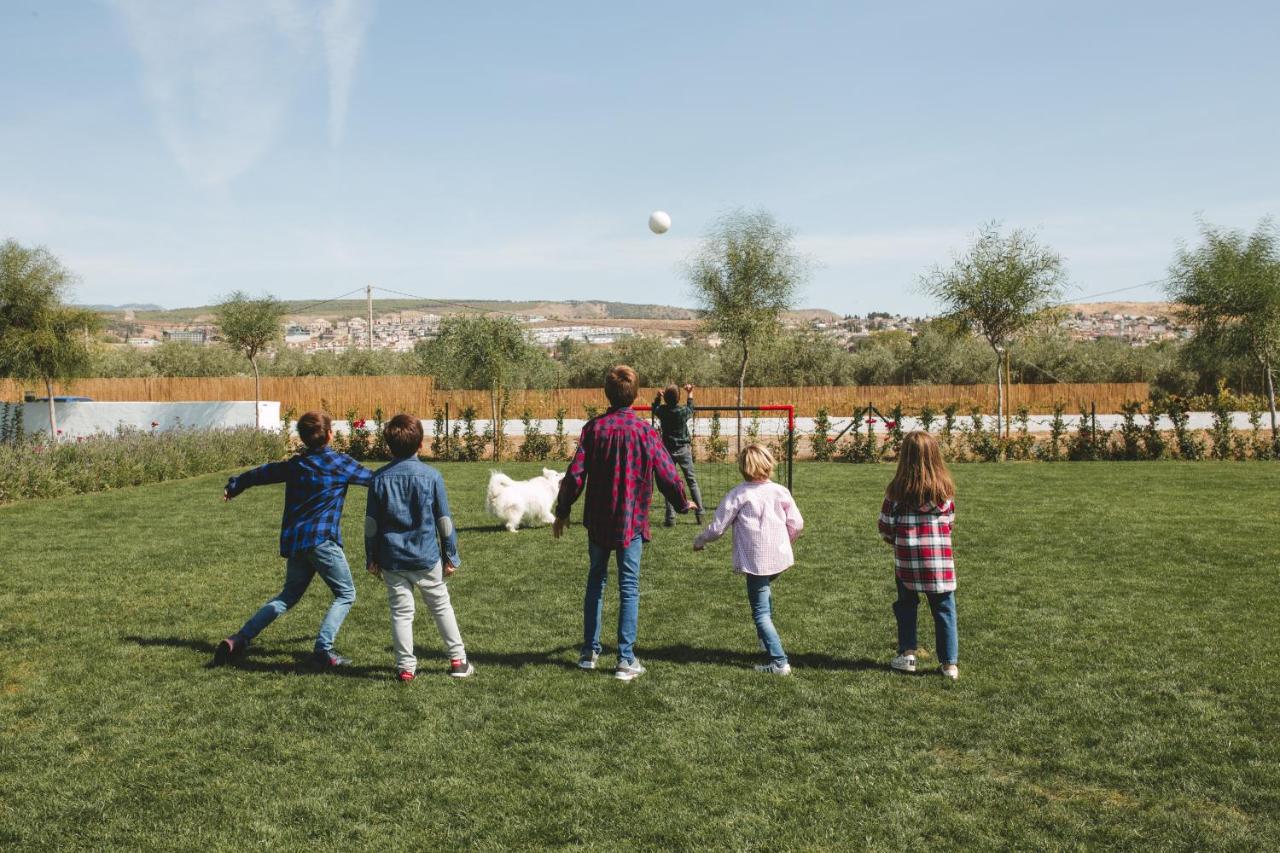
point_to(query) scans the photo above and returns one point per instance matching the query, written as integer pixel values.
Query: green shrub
(717, 446)
(1153, 440)
(1023, 446)
(1188, 445)
(820, 441)
(1130, 433)
(537, 446)
(36, 468)
(927, 416)
(560, 446)
(985, 445)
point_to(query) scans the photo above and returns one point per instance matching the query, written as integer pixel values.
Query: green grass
(1117, 646)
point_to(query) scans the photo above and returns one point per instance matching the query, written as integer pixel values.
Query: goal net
(716, 444)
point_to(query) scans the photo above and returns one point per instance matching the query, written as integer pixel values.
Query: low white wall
(83, 419)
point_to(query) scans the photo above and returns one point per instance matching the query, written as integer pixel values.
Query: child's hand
(226, 495)
(374, 569)
(558, 526)
(449, 568)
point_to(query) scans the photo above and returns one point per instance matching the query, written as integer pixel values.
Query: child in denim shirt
(406, 522)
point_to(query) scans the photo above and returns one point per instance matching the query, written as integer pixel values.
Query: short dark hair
(671, 394)
(314, 428)
(620, 386)
(404, 435)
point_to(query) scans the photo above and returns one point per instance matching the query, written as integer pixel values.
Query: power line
(1080, 299)
(460, 305)
(327, 301)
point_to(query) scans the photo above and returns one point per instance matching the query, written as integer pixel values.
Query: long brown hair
(922, 477)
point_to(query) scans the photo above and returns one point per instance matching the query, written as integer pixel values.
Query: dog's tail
(497, 482)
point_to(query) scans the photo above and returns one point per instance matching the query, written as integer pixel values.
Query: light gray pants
(435, 594)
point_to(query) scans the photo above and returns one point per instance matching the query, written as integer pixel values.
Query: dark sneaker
(629, 670)
(461, 668)
(668, 522)
(330, 659)
(587, 660)
(404, 675)
(231, 647)
(698, 516)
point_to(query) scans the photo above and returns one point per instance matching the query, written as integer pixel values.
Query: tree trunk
(1008, 393)
(494, 425)
(257, 393)
(53, 414)
(1271, 401)
(999, 390)
(742, 381)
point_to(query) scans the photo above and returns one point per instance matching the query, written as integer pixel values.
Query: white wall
(77, 419)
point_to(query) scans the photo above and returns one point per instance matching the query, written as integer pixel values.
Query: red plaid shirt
(618, 457)
(921, 540)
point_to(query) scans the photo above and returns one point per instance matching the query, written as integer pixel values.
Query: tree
(1229, 290)
(482, 352)
(1000, 289)
(40, 337)
(745, 274)
(250, 326)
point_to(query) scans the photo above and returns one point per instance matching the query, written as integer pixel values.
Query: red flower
(59, 432)
(358, 424)
(155, 424)
(891, 424)
(871, 420)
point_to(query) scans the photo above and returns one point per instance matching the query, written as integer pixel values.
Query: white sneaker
(951, 671)
(904, 663)
(587, 660)
(774, 668)
(629, 670)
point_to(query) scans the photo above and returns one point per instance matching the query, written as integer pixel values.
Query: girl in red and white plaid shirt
(916, 518)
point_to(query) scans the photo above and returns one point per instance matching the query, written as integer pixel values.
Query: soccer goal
(716, 444)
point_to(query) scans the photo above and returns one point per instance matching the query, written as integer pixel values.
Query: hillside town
(400, 331)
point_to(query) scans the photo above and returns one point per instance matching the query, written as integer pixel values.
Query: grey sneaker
(774, 668)
(587, 660)
(904, 663)
(629, 670)
(461, 668)
(329, 659)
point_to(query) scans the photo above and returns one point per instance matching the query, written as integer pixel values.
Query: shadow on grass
(728, 657)
(301, 663)
(498, 527)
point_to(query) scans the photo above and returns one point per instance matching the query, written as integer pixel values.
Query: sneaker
(668, 522)
(951, 671)
(629, 670)
(404, 675)
(774, 668)
(904, 663)
(460, 668)
(227, 649)
(698, 517)
(329, 659)
(587, 660)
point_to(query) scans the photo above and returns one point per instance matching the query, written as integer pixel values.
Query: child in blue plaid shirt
(316, 482)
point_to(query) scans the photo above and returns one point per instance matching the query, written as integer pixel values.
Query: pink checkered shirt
(921, 540)
(619, 456)
(765, 522)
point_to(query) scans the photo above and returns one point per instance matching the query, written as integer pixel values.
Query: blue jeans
(760, 594)
(943, 606)
(327, 560)
(628, 597)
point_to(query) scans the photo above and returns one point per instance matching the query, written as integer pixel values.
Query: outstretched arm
(355, 473)
(726, 512)
(263, 475)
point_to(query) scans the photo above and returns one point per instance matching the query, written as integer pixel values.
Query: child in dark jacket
(316, 483)
(406, 524)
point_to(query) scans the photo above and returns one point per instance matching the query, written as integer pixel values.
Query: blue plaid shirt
(315, 488)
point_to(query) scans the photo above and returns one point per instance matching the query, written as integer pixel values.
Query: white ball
(659, 222)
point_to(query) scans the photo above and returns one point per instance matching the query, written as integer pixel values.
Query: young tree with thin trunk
(250, 326)
(482, 352)
(999, 289)
(1228, 288)
(744, 276)
(40, 337)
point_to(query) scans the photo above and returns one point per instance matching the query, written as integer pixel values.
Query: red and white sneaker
(405, 675)
(461, 668)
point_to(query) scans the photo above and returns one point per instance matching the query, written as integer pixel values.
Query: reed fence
(418, 394)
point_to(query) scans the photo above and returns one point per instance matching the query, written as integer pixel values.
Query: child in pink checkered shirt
(765, 522)
(916, 518)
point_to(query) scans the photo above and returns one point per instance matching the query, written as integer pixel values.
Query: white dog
(527, 501)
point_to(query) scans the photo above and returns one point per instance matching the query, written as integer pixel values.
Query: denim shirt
(407, 518)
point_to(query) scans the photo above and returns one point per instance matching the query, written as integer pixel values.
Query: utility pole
(368, 296)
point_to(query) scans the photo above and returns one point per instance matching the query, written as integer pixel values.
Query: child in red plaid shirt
(916, 518)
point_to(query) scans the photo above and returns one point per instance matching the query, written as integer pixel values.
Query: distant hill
(1133, 309)
(130, 306)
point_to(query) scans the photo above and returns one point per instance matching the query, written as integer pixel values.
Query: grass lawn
(1118, 664)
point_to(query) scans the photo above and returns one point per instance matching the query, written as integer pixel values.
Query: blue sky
(173, 152)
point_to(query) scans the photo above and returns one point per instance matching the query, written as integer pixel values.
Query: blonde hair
(922, 477)
(755, 462)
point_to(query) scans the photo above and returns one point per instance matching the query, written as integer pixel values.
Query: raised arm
(886, 521)
(263, 475)
(355, 473)
(444, 522)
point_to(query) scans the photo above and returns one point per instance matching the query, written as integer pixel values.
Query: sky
(170, 152)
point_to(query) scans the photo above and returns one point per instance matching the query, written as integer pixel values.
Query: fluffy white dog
(527, 501)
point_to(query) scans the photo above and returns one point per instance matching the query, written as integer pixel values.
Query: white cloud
(221, 74)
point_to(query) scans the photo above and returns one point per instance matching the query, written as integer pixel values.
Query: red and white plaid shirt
(921, 540)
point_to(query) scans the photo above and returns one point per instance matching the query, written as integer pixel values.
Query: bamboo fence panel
(418, 394)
